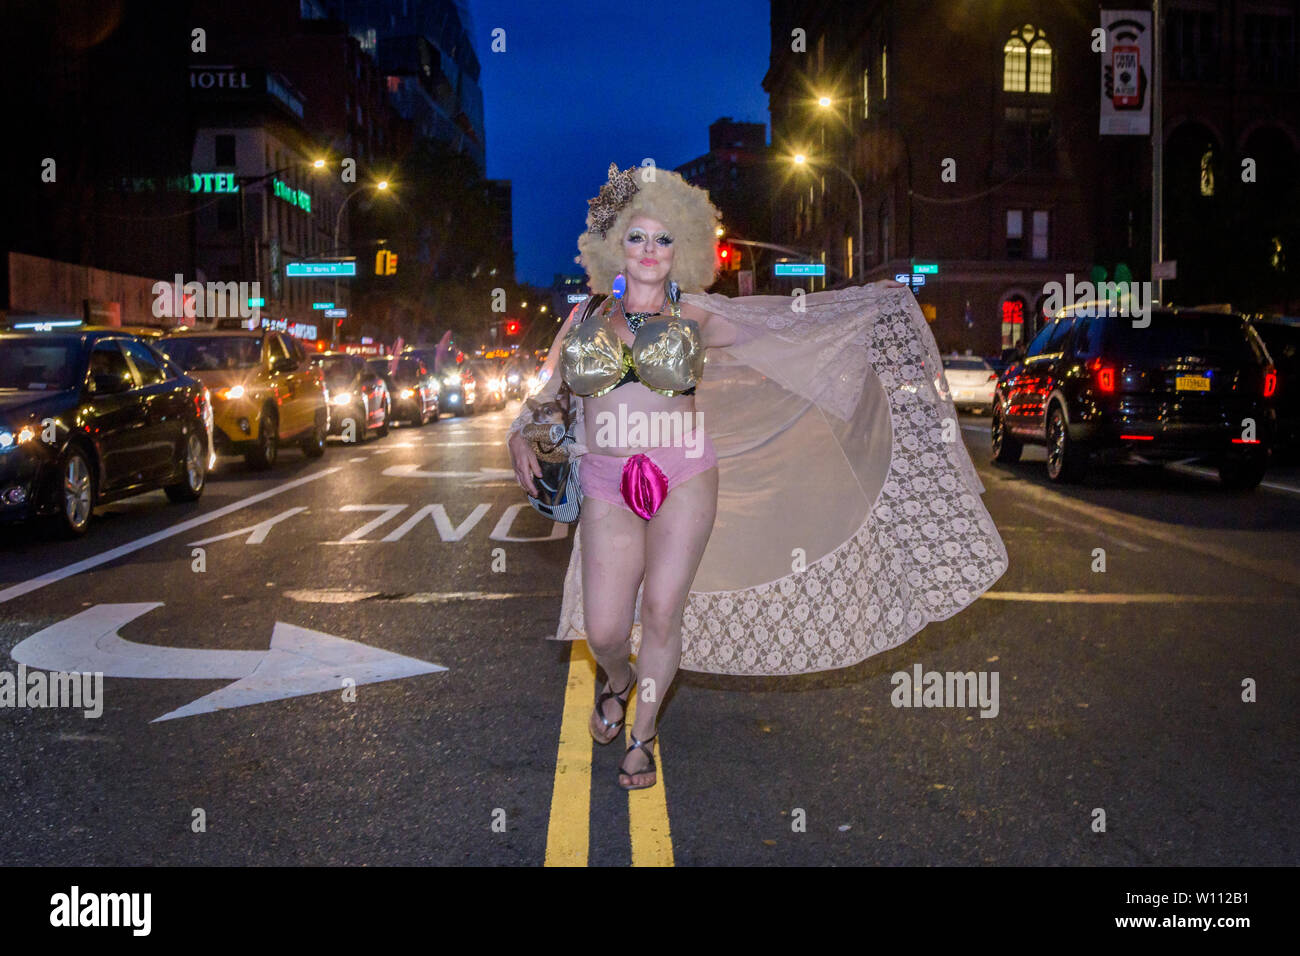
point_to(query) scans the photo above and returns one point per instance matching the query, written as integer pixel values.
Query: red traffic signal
(512, 327)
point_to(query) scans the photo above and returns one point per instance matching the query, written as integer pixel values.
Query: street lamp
(244, 183)
(802, 160)
(338, 223)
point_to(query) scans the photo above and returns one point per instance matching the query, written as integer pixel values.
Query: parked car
(971, 381)
(1282, 339)
(88, 417)
(1189, 385)
(265, 393)
(358, 397)
(413, 390)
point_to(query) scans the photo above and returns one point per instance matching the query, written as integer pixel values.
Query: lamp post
(338, 223)
(800, 159)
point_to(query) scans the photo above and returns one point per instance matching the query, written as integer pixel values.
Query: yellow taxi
(265, 392)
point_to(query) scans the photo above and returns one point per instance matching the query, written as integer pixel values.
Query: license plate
(1192, 383)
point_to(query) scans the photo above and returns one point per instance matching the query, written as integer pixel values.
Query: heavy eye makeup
(636, 237)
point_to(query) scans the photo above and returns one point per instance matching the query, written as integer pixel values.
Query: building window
(1270, 49)
(225, 150)
(1207, 172)
(1033, 241)
(866, 94)
(1015, 234)
(848, 256)
(884, 72)
(1191, 44)
(1039, 248)
(1027, 61)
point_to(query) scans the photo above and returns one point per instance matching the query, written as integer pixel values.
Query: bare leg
(613, 563)
(675, 541)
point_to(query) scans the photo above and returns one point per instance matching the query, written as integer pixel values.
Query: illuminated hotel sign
(295, 197)
(213, 183)
(299, 330)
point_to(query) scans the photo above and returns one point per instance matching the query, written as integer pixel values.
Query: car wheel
(1242, 472)
(313, 446)
(1066, 461)
(263, 454)
(1006, 449)
(76, 493)
(194, 472)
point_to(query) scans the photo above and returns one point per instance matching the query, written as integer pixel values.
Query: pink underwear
(641, 482)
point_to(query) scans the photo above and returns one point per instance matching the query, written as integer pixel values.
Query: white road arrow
(300, 661)
(482, 476)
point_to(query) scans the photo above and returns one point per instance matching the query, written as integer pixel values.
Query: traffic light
(728, 256)
(512, 327)
(385, 263)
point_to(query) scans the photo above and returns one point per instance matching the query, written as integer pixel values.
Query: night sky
(584, 84)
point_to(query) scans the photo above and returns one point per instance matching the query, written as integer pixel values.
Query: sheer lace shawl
(849, 514)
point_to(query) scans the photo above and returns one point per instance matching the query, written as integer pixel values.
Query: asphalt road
(1119, 691)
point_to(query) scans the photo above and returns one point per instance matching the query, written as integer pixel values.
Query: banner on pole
(1126, 75)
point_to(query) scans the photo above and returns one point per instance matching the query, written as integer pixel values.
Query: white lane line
(362, 458)
(1080, 526)
(1212, 474)
(343, 596)
(1280, 568)
(1078, 597)
(26, 587)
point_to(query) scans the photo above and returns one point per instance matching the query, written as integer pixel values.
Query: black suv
(1190, 385)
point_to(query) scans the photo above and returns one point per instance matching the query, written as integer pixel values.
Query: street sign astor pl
(799, 269)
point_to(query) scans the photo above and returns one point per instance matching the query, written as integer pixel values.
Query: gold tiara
(614, 195)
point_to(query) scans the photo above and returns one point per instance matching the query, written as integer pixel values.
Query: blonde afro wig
(685, 210)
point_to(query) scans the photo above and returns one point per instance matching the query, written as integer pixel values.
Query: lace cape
(849, 514)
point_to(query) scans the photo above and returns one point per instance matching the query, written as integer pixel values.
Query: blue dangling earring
(619, 286)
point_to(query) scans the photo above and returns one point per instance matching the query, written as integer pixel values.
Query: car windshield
(1171, 336)
(338, 369)
(966, 365)
(38, 364)
(214, 354)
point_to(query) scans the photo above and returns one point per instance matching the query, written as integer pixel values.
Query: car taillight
(993, 376)
(1102, 375)
(1270, 383)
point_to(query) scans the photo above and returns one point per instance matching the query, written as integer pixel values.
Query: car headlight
(513, 379)
(341, 398)
(233, 393)
(8, 439)
(532, 383)
(452, 378)
(406, 393)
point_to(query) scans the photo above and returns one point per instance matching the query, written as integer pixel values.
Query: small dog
(547, 430)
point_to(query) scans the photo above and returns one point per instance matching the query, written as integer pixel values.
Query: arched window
(1027, 61)
(1207, 172)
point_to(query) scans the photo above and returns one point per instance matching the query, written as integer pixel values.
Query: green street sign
(257, 303)
(322, 305)
(927, 268)
(311, 269)
(800, 269)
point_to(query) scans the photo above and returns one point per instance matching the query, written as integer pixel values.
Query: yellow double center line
(569, 833)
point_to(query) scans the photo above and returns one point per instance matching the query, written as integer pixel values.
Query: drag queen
(799, 502)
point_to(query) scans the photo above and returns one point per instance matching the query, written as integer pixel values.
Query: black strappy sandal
(621, 697)
(640, 744)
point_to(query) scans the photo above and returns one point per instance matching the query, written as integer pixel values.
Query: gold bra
(666, 357)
